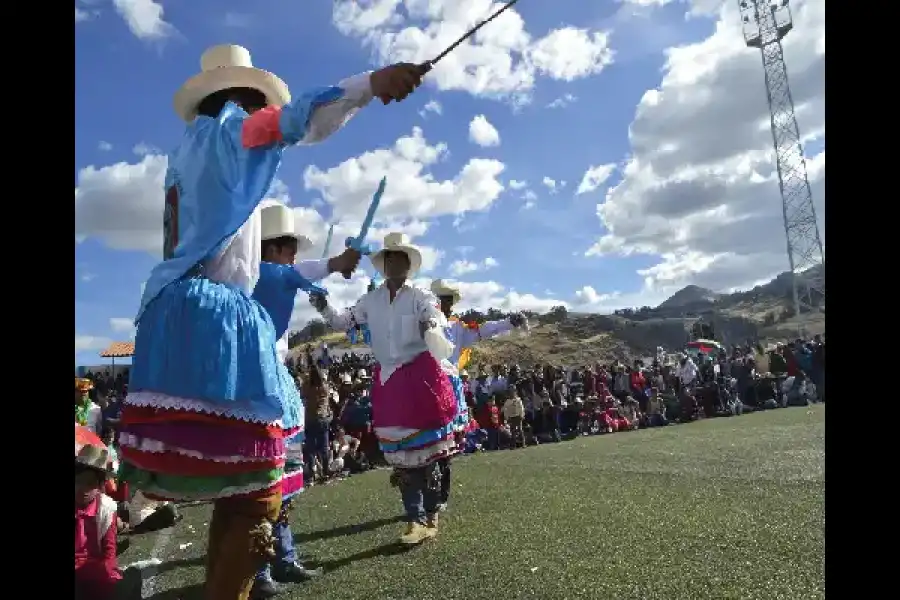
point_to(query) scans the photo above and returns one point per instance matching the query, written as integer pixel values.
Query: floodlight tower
(765, 24)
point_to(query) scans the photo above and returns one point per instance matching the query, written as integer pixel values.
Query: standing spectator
(317, 394)
(514, 414)
(87, 413)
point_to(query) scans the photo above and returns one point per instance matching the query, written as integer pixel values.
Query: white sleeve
(328, 118)
(315, 269)
(340, 321)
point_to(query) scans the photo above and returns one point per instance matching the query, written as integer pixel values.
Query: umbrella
(86, 437)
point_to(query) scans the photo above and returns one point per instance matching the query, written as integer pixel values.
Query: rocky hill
(688, 296)
(763, 313)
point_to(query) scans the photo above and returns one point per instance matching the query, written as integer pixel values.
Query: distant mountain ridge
(779, 288)
(688, 295)
(560, 337)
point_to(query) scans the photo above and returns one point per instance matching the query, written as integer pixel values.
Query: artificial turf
(729, 508)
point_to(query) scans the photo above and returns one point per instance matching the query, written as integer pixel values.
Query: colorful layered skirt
(210, 405)
(415, 413)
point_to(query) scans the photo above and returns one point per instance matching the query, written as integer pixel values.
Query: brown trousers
(239, 537)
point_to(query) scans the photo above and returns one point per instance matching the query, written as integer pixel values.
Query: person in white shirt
(514, 414)
(687, 371)
(413, 403)
(464, 336)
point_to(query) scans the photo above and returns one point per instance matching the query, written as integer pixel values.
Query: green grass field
(724, 508)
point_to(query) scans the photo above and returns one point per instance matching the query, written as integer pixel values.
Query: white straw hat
(441, 288)
(398, 242)
(278, 221)
(223, 67)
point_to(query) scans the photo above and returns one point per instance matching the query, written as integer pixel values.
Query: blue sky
(567, 105)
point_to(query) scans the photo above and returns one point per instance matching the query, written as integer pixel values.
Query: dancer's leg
(244, 545)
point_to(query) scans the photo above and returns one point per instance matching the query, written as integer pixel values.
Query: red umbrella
(86, 437)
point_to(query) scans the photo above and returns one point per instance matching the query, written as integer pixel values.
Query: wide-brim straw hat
(398, 242)
(223, 67)
(82, 384)
(94, 457)
(441, 289)
(278, 221)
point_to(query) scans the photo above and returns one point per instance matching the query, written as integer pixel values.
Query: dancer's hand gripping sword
(359, 242)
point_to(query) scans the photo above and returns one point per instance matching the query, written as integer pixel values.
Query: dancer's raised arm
(318, 113)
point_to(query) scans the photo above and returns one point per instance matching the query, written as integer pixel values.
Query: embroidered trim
(155, 400)
(223, 493)
(418, 458)
(157, 447)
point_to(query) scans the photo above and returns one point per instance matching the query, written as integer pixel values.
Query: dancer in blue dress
(209, 398)
(279, 281)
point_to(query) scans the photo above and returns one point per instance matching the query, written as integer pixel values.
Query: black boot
(294, 573)
(263, 589)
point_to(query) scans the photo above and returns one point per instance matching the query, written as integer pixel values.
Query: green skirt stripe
(189, 488)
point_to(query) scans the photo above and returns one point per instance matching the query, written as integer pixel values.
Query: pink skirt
(414, 413)
(418, 396)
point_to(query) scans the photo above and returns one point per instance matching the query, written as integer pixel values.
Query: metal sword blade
(328, 241)
(370, 214)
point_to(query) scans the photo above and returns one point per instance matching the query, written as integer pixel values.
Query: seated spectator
(793, 390)
(656, 410)
(97, 576)
(630, 414)
(688, 404)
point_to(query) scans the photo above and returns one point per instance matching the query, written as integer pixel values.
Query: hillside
(689, 295)
(763, 313)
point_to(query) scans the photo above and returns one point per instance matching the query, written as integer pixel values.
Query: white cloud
(530, 199)
(104, 146)
(594, 177)
(502, 60)
(85, 14)
(552, 184)
(412, 192)
(432, 106)
(122, 204)
(482, 133)
(563, 101)
(700, 189)
(123, 326)
(517, 185)
(143, 149)
(86, 343)
(462, 267)
(144, 18)
(647, 2)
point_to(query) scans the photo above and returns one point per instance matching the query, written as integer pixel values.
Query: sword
(428, 65)
(359, 242)
(328, 241)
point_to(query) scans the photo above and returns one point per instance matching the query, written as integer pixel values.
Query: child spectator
(514, 414)
(97, 576)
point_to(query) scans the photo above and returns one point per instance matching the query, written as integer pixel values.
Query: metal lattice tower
(765, 23)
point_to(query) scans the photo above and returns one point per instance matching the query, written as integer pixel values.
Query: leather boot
(244, 546)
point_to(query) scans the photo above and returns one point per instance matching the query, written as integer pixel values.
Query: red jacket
(638, 382)
(96, 568)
